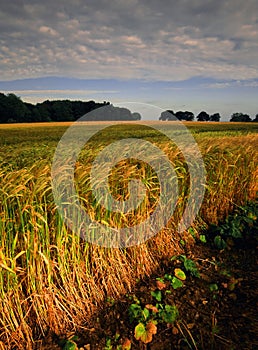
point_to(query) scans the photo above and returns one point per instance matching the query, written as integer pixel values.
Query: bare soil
(209, 318)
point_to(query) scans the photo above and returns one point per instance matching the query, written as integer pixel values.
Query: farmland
(52, 281)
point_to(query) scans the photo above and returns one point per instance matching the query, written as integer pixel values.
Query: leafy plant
(108, 345)
(192, 232)
(236, 226)
(145, 333)
(180, 274)
(214, 287)
(136, 312)
(203, 239)
(169, 313)
(157, 295)
(71, 345)
(219, 242)
(189, 265)
(174, 281)
(147, 316)
(160, 283)
(126, 345)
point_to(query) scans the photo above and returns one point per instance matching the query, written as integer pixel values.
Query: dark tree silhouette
(215, 117)
(180, 115)
(111, 112)
(203, 117)
(240, 117)
(256, 119)
(14, 110)
(189, 116)
(167, 115)
(62, 111)
(136, 116)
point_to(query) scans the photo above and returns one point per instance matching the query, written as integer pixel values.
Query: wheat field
(52, 279)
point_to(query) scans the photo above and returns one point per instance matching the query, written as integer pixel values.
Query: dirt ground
(217, 310)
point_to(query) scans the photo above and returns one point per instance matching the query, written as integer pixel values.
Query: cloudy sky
(180, 54)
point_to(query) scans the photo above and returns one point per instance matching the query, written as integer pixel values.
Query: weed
(169, 313)
(136, 312)
(108, 345)
(157, 295)
(144, 332)
(237, 226)
(203, 239)
(148, 316)
(189, 264)
(174, 281)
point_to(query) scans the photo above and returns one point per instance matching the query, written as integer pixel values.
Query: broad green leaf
(157, 295)
(70, 345)
(108, 344)
(176, 283)
(192, 232)
(180, 274)
(145, 333)
(139, 331)
(219, 242)
(190, 266)
(168, 277)
(203, 238)
(214, 287)
(169, 314)
(145, 313)
(182, 242)
(135, 312)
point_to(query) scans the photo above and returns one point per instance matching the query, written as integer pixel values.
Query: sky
(182, 55)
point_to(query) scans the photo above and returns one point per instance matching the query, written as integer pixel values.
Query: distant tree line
(204, 116)
(14, 110)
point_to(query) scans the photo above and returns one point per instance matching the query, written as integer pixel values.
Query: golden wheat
(51, 279)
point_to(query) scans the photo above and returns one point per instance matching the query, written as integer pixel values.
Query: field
(52, 281)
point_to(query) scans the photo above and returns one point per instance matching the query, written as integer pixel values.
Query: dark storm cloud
(129, 39)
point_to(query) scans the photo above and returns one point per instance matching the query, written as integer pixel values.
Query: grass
(50, 278)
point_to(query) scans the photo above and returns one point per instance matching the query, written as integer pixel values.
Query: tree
(61, 111)
(12, 109)
(44, 110)
(3, 108)
(33, 115)
(167, 115)
(256, 119)
(215, 117)
(180, 115)
(240, 117)
(188, 116)
(203, 117)
(111, 112)
(136, 116)
(121, 113)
